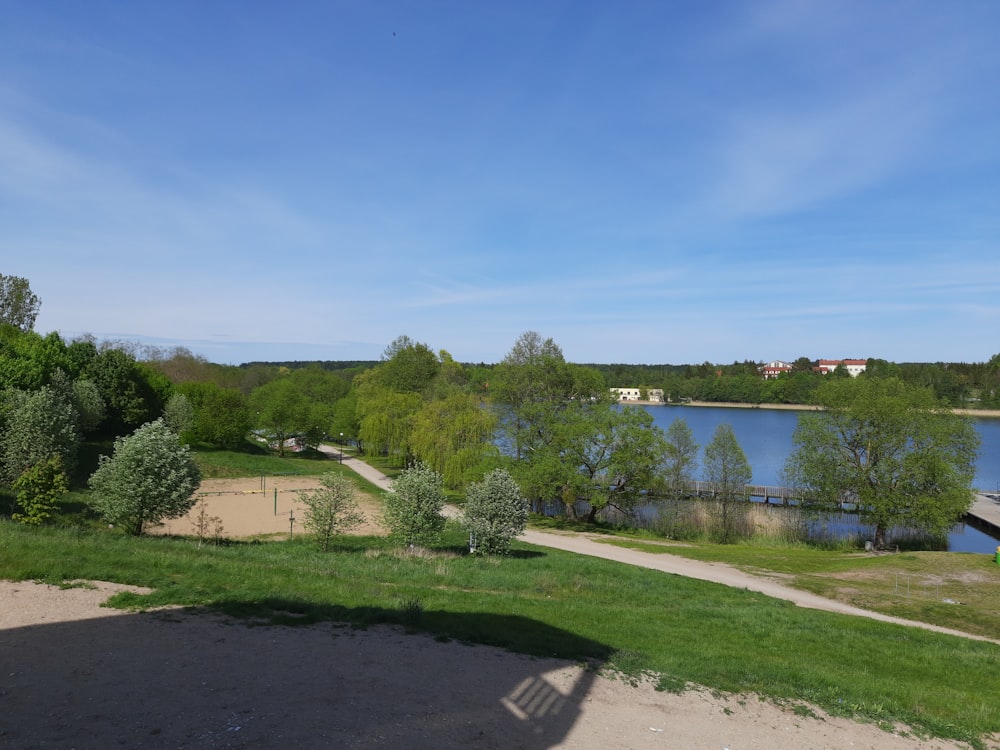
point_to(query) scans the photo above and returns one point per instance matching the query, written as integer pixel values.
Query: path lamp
(341, 448)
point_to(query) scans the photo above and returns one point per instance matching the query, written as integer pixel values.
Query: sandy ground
(251, 507)
(74, 674)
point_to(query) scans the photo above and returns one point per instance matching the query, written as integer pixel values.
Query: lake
(766, 438)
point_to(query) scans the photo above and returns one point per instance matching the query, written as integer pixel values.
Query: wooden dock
(765, 493)
(985, 512)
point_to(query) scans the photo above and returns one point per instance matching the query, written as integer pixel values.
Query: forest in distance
(958, 384)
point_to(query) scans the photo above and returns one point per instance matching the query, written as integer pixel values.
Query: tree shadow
(185, 678)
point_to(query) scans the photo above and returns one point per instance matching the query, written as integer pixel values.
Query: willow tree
(453, 435)
(385, 420)
(892, 449)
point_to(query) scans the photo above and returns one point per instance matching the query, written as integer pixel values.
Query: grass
(256, 461)
(950, 589)
(550, 603)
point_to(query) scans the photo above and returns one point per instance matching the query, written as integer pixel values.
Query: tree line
(551, 425)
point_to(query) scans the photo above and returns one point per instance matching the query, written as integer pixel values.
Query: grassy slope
(551, 603)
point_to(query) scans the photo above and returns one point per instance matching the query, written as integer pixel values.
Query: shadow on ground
(181, 679)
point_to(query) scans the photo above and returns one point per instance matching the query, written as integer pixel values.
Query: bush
(495, 512)
(413, 508)
(331, 509)
(38, 489)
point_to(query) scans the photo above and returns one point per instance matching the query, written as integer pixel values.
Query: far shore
(987, 413)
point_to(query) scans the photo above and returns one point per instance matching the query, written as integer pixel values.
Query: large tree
(36, 426)
(221, 416)
(533, 384)
(595, 452)
(390, 395)
(892, 449)
(612, 456)
(281, 409)
(452, 435)
(18, 304)
(150, 477)
(133, 393)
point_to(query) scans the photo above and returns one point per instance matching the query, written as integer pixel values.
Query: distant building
(773, 369)
(635, 394)
(854, 367)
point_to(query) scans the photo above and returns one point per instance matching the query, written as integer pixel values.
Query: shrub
(413, 508)
(330, 510)
(495, 512)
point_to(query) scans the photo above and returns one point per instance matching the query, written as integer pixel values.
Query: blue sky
(644, 182)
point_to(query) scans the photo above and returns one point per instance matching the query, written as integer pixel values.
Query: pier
(766, 493)
(985, 513)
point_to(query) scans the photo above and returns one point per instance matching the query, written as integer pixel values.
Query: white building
(854, 367)
(635, 394)
(774, 368)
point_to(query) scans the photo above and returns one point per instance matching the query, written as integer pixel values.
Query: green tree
(345, 418)
(322, 390)
(28, 360)
(38, 489)
(413, 509)
(385, 418)
(726, 466)
(18, 304)
(681, 457)
(221, 416)
(495, 513)
(612, 456)
(408, 367)
(331, 510)
(534, 383)
(892, 449)
(132, 393)
(38, 425)
(452, 435)
(281, 409)
(594, 452)
(179, 414)
(89, 405)
(149, 478)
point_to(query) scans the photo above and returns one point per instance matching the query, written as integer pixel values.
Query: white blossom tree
(495, 512)
(149, 478)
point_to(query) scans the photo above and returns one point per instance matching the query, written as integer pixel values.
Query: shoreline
(985, 413)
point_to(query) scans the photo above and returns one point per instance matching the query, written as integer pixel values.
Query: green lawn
(952, 589)
(550, 603)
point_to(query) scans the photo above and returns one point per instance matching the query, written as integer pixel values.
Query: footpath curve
(721, 573)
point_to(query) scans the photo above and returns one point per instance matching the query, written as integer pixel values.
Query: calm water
(766, 437)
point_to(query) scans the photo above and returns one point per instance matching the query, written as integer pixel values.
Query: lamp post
(341, 448)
